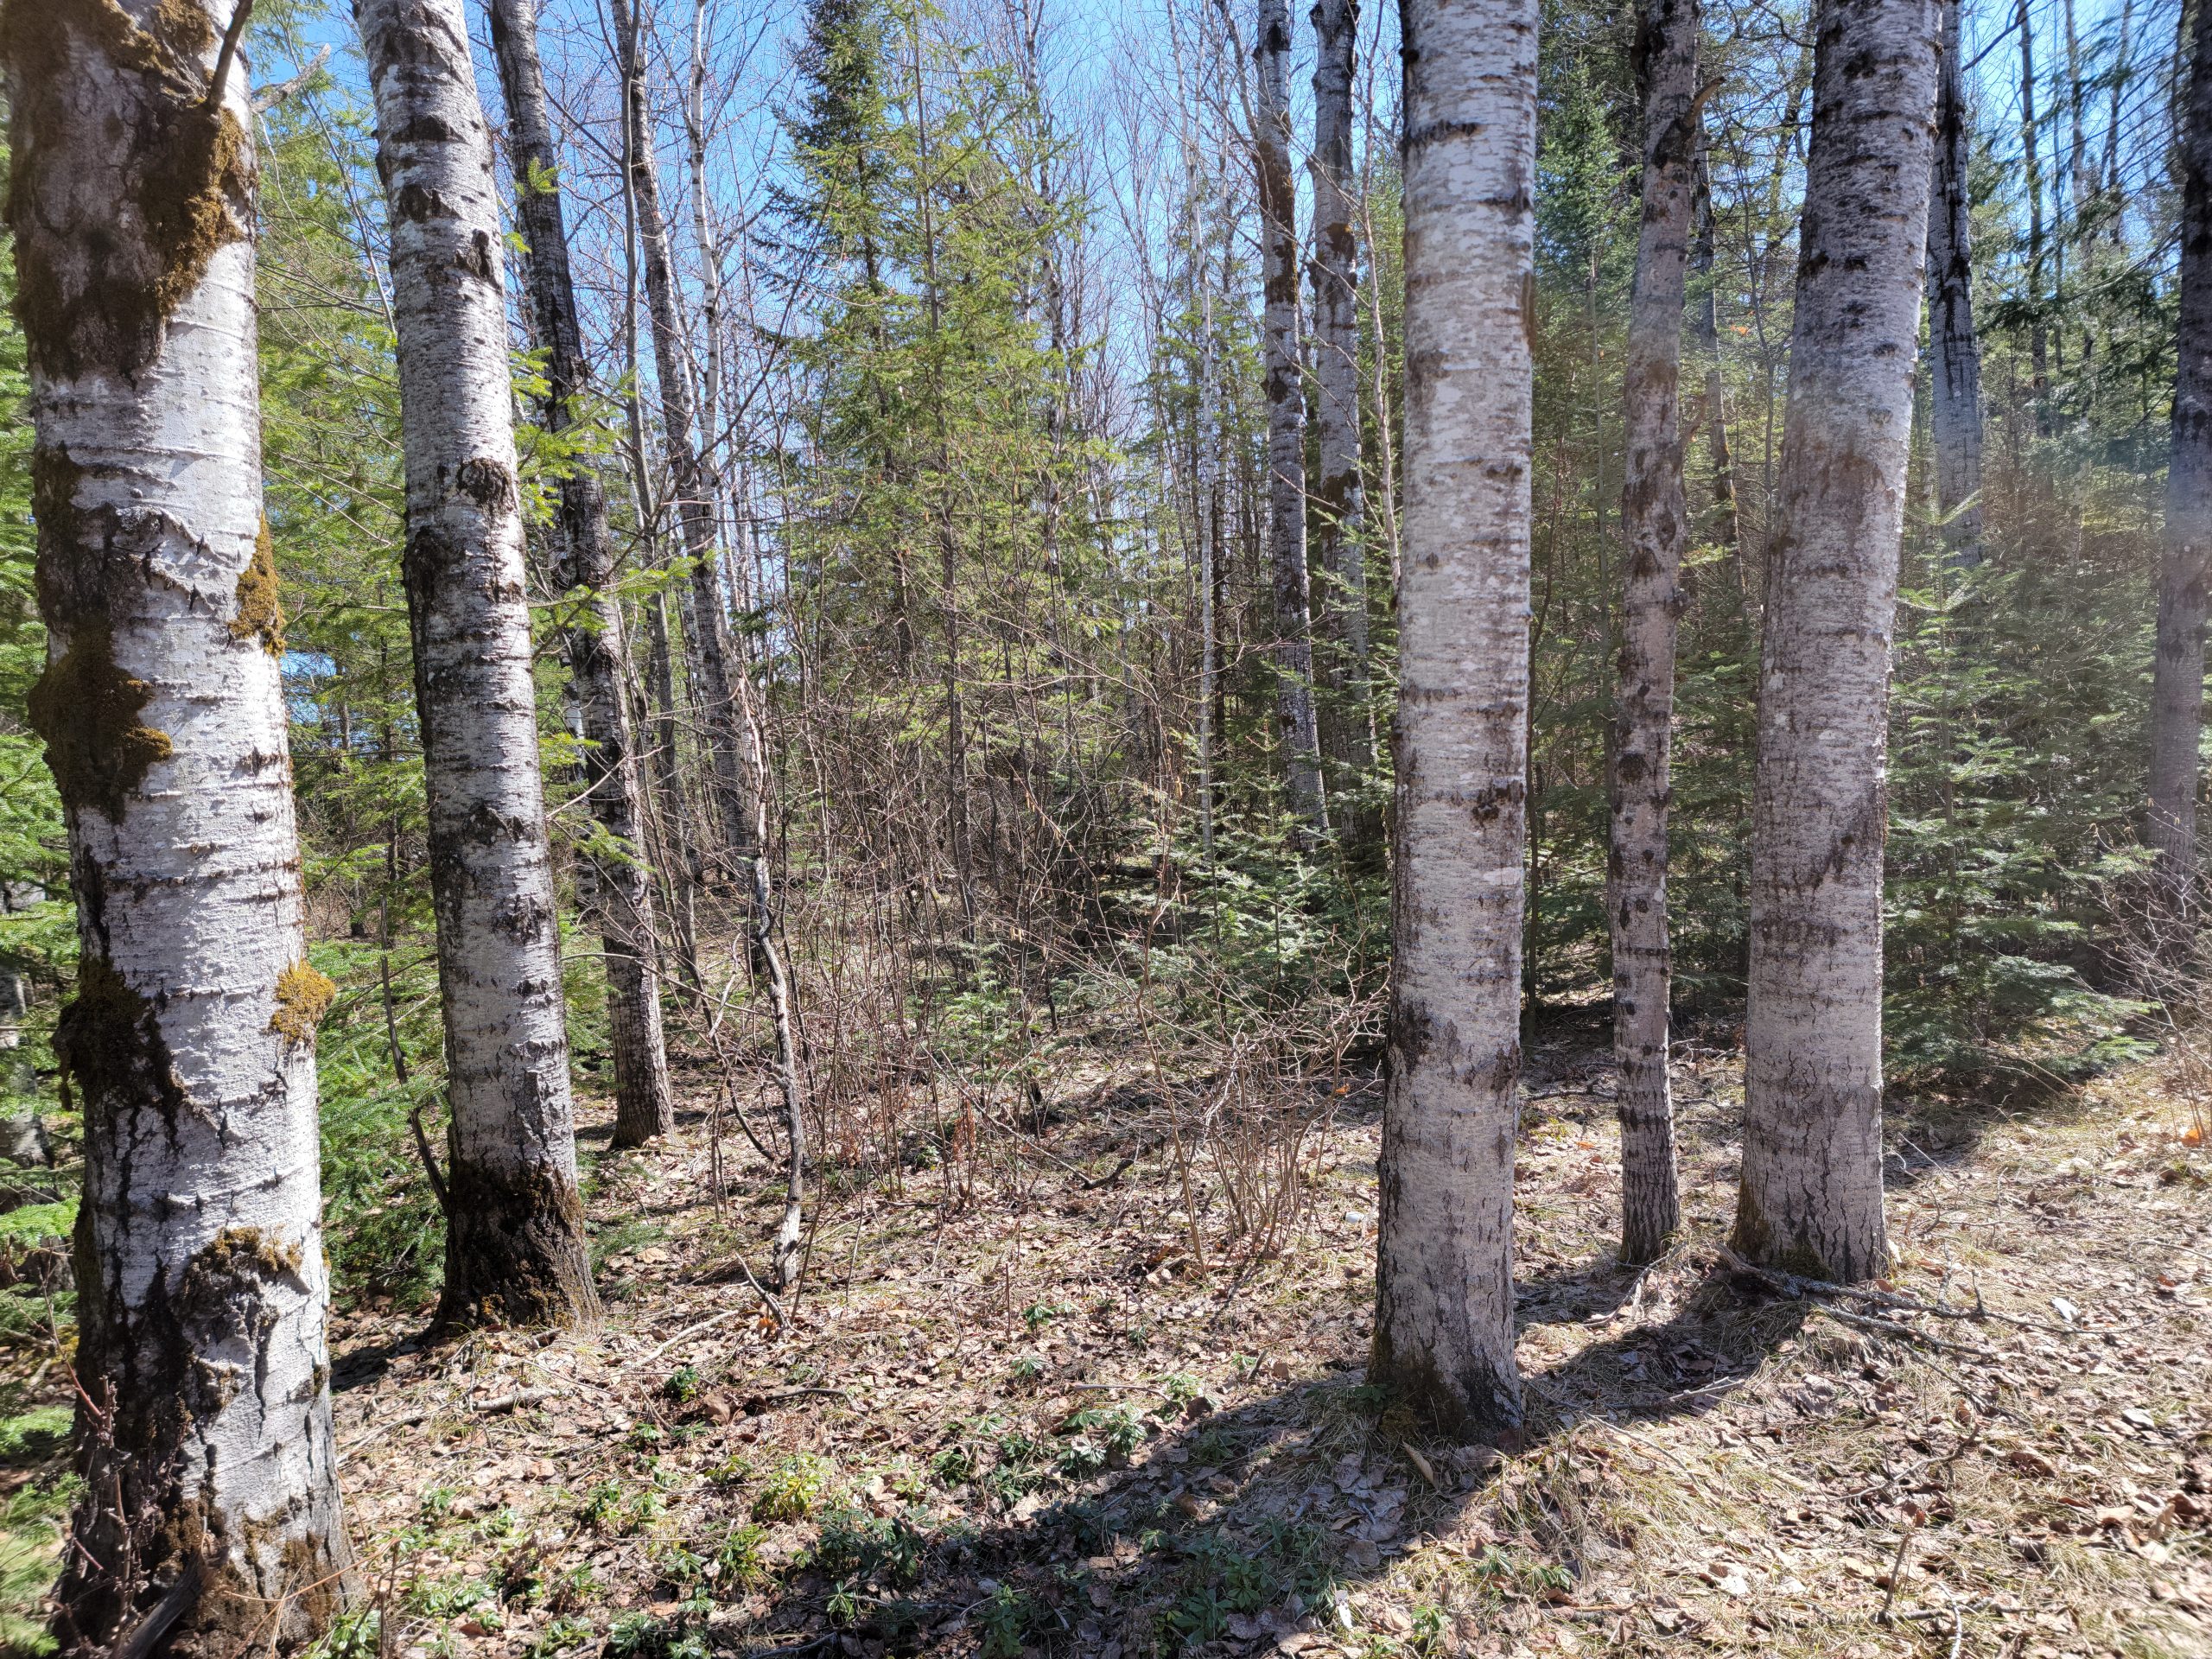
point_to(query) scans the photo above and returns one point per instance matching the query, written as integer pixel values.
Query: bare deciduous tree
(2177, 683)
(1811, 1197)
(1654, 516)
(597, 645)
(1286, 395)
(1443, 1313)
(515, 1250)
(1953, 349)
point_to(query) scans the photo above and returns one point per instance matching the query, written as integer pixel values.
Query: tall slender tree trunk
(1653, 517)
(679, 860)
(1954, 350)
(1286, 397)
(203, 1427)
(515, 1249)
(2177, 680)
(1713, 410)
(1444, 1289)
(1206, 525)
(679, 853)
(1338, 545)
(2031, 154)
(2115, 227)
(706, 642)
(597, 643)
(1811, 1195)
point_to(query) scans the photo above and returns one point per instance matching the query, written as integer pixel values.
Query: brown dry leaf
(1421, 1464)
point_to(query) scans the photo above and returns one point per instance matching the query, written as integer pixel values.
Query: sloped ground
(1059, 1417)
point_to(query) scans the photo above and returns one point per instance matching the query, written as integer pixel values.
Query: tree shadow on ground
(1245, 1527)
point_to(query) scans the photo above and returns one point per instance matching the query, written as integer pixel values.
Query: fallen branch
(1792, 1285)
(514, 1402)
(775, 1308)
(146, 1635)
(1110, 1176)
(700, 1329)
(1905, 1332)
(407, 1418)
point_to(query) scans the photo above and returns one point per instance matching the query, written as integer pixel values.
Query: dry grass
(1078, 1420)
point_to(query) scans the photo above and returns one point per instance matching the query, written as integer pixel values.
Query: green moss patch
(88, 711)
(259, 614)
(304, 995)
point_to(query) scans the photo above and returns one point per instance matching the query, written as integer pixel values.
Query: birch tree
(1954, 353)
(209, 1521)
(2177, 680)
(708, 651)
(1346, 731)
(1286, 397)
(515, 1250)
(1811, 1194)
(1653, 516)
(1444, 1314)
(595, 641)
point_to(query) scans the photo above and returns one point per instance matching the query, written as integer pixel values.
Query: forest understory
(1108, 1401)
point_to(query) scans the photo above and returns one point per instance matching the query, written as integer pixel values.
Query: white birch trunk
(209, 1520)
(1286, 397)
(1811, 1197)
(515, 1250)
(597, 645)
(2177, 680)
(1653, 511)
(1444, 1314)
(1954, 350)
(1339, 549)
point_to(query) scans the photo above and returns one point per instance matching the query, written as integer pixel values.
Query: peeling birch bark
(515, 1250)
(1444, 1301)
(204, 1439)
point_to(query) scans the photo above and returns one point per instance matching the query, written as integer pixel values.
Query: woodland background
(977, 552)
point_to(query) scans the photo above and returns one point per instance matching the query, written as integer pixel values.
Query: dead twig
(514, 1402)
(700, 1329)
(1793, 1286)
(1904, 1332)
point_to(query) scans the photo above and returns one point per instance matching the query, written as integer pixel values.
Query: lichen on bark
(263, 1584)
(108, 1044)
(304, 995)
(260, 615)
(89, 712)
(179, 175)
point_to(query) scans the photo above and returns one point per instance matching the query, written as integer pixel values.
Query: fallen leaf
(1421, 1464)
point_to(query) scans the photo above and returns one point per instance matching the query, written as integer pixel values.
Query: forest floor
(1057, 1417)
